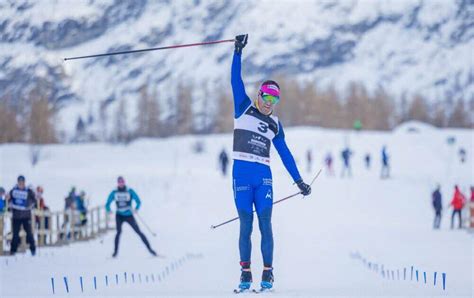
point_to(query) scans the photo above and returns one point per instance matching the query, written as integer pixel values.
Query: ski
(240, 291)
(262, 290)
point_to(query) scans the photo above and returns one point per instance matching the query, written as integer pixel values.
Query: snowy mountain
(422, 47)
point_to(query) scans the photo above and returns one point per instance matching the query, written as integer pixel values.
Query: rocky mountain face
(408, 47)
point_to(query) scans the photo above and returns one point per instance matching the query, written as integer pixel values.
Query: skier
(224, 161)
(385, 172)
(346, 157)
(123, 198)
(457, 202)
(255, 127)
(438, 206)
(21, 200)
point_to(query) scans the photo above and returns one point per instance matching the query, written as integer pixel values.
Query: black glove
(240, 42)
(305, 188)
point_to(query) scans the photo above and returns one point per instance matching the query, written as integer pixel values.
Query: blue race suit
(252, 178)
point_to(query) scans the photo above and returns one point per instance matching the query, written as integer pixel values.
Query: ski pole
(281, 200)
(144, 223)
(151, 49)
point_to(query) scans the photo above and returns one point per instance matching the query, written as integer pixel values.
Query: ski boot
(267, 279)
(245, 276)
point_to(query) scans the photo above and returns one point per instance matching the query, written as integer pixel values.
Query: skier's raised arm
(241, 99)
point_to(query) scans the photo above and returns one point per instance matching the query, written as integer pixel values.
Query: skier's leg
(263, 205)
(29, 235)
(16, 225)
(118, 223)
(133, 223)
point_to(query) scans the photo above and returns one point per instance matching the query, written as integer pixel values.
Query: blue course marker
(153, 277)
(52, 285)
(65, 284)
(95, 283)
(106, 280)
(444, 280)
(140, 277)
(125, 276)
(398, 274)
(416, 275)
(116, 279)
(82, 285)
(404, 273)
(133, 278)
(411, 274)
(424, 276)
(434, 278)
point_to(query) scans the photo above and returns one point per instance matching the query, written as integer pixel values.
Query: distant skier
(328, 163)
(436, 200)
(385, 172)
(123, 198)
(223, 161)
(255, 127)
(346, 155)
(309, 160)
(22, 200)
(367, 161)
(457, 203)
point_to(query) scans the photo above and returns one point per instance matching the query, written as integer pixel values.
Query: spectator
(309, 160)
(44, 212)
(472, 194)
(367, 161)
(385, 172)
(438, 206)
(21, 200)
(328, 162)
(462, 154)
(457, 202)
(346, 158)
(223, 161)
(2, 200)
(81, 207)
(69, 202)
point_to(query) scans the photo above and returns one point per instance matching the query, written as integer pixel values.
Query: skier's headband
(270, 89)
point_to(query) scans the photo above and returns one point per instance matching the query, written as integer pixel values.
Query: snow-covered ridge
(410, 47)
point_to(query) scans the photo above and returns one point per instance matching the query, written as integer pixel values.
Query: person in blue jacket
(255, 128)
(123, 198)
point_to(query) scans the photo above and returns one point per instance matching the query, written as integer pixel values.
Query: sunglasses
(270, 98)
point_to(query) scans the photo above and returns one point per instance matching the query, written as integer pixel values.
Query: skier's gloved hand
(240, 42)
(305, 188)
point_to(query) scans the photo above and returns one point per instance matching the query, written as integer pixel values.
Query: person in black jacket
(438, 206)
(21, 201)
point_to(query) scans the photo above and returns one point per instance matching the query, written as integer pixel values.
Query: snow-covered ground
(320, 241)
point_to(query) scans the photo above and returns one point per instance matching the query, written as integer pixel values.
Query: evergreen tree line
(32, 119)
